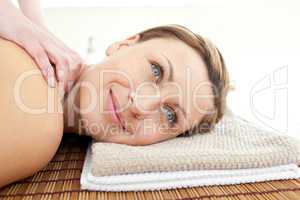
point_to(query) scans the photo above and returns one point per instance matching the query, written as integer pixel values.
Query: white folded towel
(234, 152)
(181, 179)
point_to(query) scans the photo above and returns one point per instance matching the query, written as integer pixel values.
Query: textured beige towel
(234, 144)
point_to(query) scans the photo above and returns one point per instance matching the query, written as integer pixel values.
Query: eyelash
(171, 124)
(155, 64)
(165, 117)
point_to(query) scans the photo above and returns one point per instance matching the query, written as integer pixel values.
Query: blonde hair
(217, 72)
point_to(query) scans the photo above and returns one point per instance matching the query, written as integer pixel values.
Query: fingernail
(51, 81)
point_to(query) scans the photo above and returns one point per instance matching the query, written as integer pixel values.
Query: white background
(259, 41)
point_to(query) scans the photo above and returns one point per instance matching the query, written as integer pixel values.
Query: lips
(113, 107)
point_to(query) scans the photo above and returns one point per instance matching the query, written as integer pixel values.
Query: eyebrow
(170, 65)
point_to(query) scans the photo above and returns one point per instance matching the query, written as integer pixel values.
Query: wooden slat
(60, 179)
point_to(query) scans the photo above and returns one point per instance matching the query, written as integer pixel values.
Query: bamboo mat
(60, 179)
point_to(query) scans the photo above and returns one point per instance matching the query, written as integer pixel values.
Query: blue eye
(169, 114)
(157, 71)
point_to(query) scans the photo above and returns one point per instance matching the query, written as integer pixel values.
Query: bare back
(30, 113)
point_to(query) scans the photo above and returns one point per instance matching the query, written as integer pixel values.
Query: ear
(121, 44)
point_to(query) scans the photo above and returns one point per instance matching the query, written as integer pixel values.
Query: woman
(153, 86)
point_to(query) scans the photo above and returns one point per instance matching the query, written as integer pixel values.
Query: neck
(71, 107)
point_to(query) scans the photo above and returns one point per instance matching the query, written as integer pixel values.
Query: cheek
(147, 127)
(136, 69)
(93, 118)
(151, 131)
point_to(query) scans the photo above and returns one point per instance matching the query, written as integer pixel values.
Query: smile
(112, 107)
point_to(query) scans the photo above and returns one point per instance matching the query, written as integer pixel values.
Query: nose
(144, 101)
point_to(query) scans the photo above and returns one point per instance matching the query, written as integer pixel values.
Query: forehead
(189, 72)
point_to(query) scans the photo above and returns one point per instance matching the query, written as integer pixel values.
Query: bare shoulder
(31, 115)
(25, 93)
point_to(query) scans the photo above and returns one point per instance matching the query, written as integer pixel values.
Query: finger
(74, 58)
(48, 72)
(74, 70)
(41, 58)
(67, 64)
(61, 64)
(61, 73)
(76, 65)
(76, 61)
(69, 76)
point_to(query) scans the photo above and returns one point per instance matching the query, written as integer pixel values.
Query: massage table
(60, 179)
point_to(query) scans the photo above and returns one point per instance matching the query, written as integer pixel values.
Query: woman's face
(144, 92)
